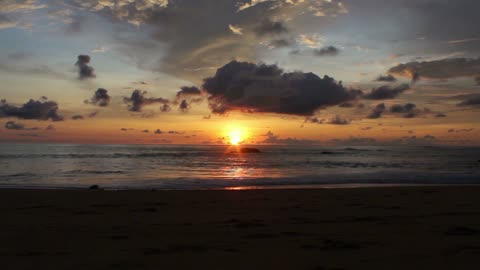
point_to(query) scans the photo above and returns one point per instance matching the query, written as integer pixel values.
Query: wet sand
(366, 228)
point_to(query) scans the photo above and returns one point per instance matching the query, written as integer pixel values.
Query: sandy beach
(366, 228)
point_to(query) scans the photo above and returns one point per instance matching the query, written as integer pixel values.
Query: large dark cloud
(386, 92)
(138, 100)
(267, 88)
(326, 51)
(84, 70)
(438, 69)
(34, 109)
(100, 98)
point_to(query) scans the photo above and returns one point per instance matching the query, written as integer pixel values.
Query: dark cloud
(188, 91)
(269, 27)
(281, 43)
(439, 69)
(33, 109)
(386, 78)
(337, 120)
(184, 106)
(440, 115)
(17, 126)
(470, 100)
(165, 108)
(267, 88)
(377, 111)
(77, 117)
(461, 130)
(386, 92)
(327, 51)
(409, 110)
(100, 98)
(138, 100)
(84, 70)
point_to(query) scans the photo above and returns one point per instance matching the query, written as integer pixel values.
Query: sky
(326, 72)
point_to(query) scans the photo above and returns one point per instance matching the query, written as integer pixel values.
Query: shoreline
(421, 227)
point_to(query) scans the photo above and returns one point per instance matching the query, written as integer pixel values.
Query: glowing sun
(236, 135)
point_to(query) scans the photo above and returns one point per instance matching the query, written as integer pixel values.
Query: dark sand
(368, 228)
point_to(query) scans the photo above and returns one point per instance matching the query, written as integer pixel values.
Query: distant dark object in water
(327, 153)
(95, 187)
(246, 150)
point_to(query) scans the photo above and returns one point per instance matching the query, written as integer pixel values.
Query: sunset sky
(333, 72)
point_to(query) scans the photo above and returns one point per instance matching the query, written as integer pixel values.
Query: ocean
(210, 167)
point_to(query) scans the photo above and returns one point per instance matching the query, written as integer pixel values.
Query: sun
(236, 135)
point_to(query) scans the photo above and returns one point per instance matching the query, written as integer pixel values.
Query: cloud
(274, 139)
(439, 69)
(9, 6)
(188, 91)
(165, 108)
(409, 110)
(84, 70)
(267, 88)
(138, 100)
(50, 128)
(386, 78)
(158, 131)
(477, 80)
(440, 115)
(237, 30)
(77, 117)
(34, 109)
(17, 126)
(326, 51)
(100, 98)
(206, 40)
(311, 41)
(269, 27)
(336, 120)
(6, 22)
(280, 43)
(184, 106)
(377, 111)
(386, 92)
(470, 100)
(145, 131)
(460, 130)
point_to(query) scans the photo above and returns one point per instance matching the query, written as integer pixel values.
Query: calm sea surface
(200, 167)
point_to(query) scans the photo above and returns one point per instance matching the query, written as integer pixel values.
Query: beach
(416, 227)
